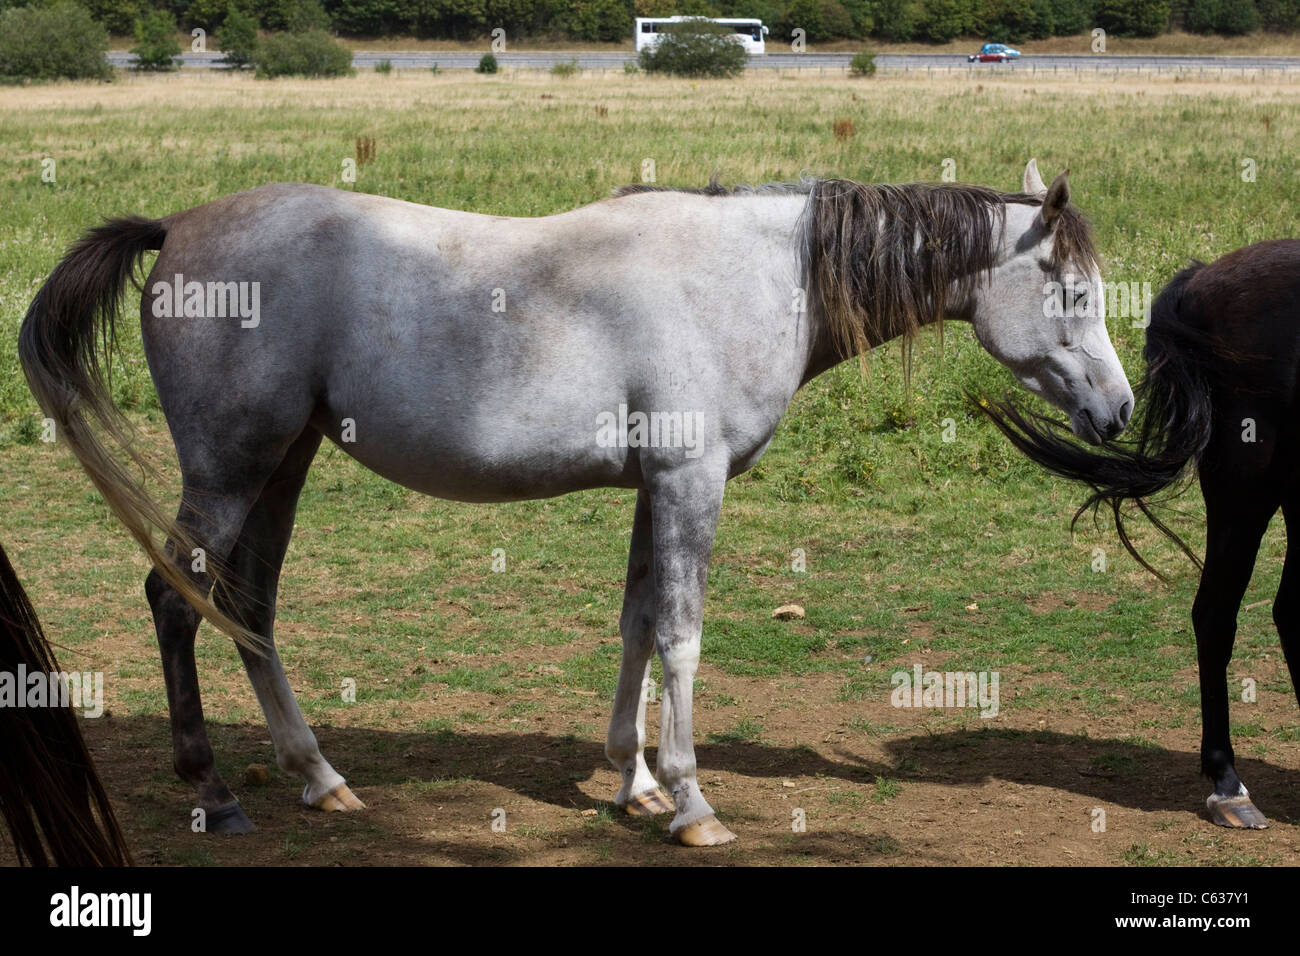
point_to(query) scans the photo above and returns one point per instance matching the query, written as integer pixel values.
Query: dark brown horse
(50, 796)
(1220, 396)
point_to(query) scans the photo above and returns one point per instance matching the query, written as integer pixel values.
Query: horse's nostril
(1125, 413)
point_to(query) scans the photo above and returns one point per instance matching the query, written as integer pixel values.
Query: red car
(993, 53)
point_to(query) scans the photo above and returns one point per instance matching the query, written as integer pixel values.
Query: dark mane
(882, 260)
(715, 188)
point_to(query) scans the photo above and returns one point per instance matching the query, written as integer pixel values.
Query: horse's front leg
(685, 504)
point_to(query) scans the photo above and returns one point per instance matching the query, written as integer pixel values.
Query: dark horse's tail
(50, 795)
(64, 345)
(1174, 432)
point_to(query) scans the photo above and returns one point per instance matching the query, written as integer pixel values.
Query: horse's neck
(826, 352)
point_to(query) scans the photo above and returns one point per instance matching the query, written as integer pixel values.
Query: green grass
(902, 530)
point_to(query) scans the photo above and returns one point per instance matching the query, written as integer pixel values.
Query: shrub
(863, 64)
(1006, 21)
(1070, 17)
(487, 64)
(1133, 18)
(49, 42)
(1281, 16)
(237, 39)
(945, 20)
(208, 14)
(384, 66)
(311, 53)
(598, 20)
(297, 16)
(155, 42)
(1231, 17)
(819, 19)
(118, 16)
(1200, 16)
(899, 20)
(435, 69)
(695, 48)
(564, 68)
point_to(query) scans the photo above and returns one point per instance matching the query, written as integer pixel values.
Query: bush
(1231, 17)
(819, 19)
(384, 66)
(695, 48)
(237, 39)
(565, 68)
(296, 16)
(487, 64)
(1133, 18)
(155, 42)
(49, 42)
(1006, 21)
(1071, 17)
(598, 20)
(1200, 16)
(1279, 16)
(208, 14)
(863, 64)
(311, 53)
(945, 20)
(118, 16)
(899, 20)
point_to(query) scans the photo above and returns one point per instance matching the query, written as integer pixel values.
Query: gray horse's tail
(65, 346)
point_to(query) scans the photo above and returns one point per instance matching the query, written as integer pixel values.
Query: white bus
(749, 33)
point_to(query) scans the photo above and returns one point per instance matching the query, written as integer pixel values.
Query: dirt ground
(1021, 788)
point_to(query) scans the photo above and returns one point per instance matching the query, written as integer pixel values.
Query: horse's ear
(1033, 182)
(1058, 196)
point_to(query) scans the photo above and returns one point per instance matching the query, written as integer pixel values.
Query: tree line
(932, 21)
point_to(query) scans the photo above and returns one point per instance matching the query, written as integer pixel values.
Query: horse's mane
(882, 260)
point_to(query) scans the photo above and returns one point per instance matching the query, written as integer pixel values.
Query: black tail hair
(1175, 396)
(50, 795)
(65, 346)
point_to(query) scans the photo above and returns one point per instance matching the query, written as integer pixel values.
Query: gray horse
(652, 340)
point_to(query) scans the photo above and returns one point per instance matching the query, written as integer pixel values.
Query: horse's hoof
(649, 804)
(706, 831)
(1236, 812)
(228, 821)
(338, 800)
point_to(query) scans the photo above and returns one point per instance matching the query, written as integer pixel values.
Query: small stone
(256, 774)
(788, 612)
(589, 812)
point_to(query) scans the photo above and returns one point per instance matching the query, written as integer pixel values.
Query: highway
(825, 62)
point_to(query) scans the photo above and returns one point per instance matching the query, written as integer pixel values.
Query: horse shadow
(549, 768)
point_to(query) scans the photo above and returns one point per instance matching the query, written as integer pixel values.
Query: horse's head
(1042, 312)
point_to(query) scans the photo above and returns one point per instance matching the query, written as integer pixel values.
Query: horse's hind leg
(213, 520)
(255, 565)
(1286, 607)
(639, 793)
(1236, 518)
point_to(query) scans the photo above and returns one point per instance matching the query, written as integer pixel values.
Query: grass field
(478, 690)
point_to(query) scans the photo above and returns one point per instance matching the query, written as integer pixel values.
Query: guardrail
(833, 64)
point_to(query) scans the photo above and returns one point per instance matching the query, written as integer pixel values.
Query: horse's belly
(463, 465)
